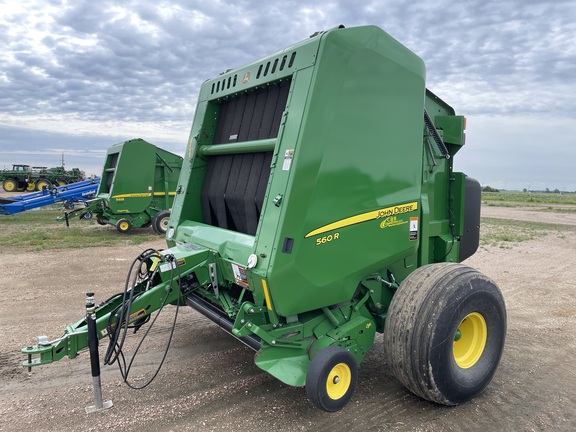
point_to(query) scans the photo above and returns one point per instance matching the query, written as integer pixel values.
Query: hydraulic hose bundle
(120, 319)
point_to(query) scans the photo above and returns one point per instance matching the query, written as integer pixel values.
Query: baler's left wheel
(331, 378)
(123, 225)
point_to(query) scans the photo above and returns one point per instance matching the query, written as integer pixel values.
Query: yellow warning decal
(136, 315)
(131, 319)
(365, 217)
(266, 294)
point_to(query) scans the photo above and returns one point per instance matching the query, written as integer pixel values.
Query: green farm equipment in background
(318, 205)
(26, 178)
(137, 187)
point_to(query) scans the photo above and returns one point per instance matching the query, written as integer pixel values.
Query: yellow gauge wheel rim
(30, 187)
(124, 226)
(470, 340)
(338, 381)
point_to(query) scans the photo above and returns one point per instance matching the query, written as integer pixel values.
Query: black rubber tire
(318, 374)
(160, 222)
(123, 225)
(10, 185)
(101, 221)
(424, 316)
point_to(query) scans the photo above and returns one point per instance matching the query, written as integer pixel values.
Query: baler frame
(313, 210)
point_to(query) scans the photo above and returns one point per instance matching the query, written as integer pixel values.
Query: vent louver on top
(264, 69)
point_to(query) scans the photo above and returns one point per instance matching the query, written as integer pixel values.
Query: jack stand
(94, 358)
(67, 221)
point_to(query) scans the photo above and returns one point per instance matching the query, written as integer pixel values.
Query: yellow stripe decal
(266, 295)
(365, 217)
(142, 195)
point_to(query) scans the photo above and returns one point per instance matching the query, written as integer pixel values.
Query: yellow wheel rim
(338, 381)
(124, 226)
(30, 187)
(40, 185)
(470, 340)
(10, 186)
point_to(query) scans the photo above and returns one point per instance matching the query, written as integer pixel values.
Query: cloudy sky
(78, 76)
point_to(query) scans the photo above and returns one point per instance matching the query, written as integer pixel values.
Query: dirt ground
(210, 382)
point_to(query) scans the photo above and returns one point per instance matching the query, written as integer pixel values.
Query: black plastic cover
(470, 239)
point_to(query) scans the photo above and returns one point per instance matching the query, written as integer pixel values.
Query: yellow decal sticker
(392, 221)
(327, 239)
(365, 217)
(141, 195)
(266, 294)
(133, 317)
(155, 262)
(132, 195)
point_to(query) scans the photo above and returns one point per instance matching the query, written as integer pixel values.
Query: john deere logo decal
(246, 78)
(388, 216)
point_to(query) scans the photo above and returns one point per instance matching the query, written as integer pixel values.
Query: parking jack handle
(94, 357)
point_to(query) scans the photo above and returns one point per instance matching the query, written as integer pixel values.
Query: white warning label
(413, 228)
(288, 156)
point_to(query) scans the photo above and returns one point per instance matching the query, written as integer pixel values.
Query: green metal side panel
(355, 156)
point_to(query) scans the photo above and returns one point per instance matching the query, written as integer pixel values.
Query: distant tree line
(547, 190)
